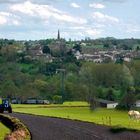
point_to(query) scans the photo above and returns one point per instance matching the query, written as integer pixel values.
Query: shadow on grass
(119, 129)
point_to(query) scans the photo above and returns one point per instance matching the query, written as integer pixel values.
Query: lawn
(104, 116)
(3, 131)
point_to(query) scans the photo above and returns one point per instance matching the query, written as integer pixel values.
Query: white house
(107, 104)
(137, 104)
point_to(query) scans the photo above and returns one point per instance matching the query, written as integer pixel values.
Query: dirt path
(46, 128)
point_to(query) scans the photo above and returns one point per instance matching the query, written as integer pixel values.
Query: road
(46, 128)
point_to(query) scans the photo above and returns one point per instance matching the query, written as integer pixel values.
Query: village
(92, 54)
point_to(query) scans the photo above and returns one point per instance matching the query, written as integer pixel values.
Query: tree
(110, 95)
(46, 49)
(57, 99)
(9, 53)
(77, 47)
(87, 79)
(128, 100)
(127, 76)
(138, 48)
(106, 45)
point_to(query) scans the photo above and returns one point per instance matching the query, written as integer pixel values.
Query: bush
(57, 99)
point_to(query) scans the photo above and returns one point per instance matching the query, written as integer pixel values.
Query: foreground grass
(109, 117)
(3, 131)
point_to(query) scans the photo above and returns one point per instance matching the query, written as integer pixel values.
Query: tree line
(83, 81)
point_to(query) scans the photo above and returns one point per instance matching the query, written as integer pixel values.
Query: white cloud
(77, 27)
(100, 17)
(45, 12)
(93, 32)
(8, 19)
(117, 1)
(97, 5)
(75, 5)
(131, 28)
(3, 20)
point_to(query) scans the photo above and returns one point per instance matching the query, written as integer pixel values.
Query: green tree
(57, 99)
(77, 47)
(46, 49)
(128, 100)
(88, 81)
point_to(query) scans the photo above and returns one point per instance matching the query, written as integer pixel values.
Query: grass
(65, 104)
(3, 131)
(103, 116)
(25, 66)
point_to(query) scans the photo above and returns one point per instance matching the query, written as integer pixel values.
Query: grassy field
(3, 131)
(69, 110)
(65, 104)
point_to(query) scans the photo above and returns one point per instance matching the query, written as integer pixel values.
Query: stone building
(58, 47)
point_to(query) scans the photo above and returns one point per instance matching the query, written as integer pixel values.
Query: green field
(3, 131)
(65, 104)
(94, 46)
(103, 116)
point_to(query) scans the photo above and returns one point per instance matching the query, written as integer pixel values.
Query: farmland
(103, 116)
(3, 131)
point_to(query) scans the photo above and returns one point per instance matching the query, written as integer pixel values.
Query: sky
(76, 19)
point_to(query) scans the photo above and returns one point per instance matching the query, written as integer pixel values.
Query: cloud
(97, 5)
(131, 28)
(10, 1)
(77, 27)
(9, 19)
(75, 5)
(45, 12)
(100, 17)
(118, 1)
(93, 32)
(86, 30)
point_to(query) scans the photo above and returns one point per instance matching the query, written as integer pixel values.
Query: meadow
(3, 131)
(81, 111)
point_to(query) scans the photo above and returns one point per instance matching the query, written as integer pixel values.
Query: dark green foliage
(50, 68)
(110, 95)
(46, 49)
(77, 47)
(128, 100)
(106, 45)
(23, 77)
(57, 99)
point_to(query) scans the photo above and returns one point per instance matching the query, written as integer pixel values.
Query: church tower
(58, 35)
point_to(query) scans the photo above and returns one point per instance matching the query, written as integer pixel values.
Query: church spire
(58, 35)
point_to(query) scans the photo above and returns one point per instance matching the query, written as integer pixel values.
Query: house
(31, 101)
(36, 50)
(78, 55)
(16, 101)
(106, 103)
(46, 102)
(137, 104)
(36, 101)
(127, 59)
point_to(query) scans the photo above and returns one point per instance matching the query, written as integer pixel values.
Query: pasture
(110, 117)
(3, 131)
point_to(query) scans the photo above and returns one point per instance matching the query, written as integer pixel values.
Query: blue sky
(76, 19)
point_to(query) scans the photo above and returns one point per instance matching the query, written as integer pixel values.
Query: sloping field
(108, 117)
